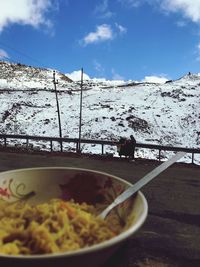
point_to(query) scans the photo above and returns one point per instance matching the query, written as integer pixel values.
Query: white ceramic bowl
(81, 185)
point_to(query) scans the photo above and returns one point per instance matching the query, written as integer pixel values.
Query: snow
(109, 82)
(161, 114)
(155, 79)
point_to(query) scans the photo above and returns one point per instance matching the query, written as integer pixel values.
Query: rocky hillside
(19, 76)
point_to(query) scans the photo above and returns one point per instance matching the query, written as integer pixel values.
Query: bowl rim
(94, 248)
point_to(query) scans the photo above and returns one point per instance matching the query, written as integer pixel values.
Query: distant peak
(191, 76)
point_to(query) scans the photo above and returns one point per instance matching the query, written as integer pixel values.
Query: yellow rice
(55, 226)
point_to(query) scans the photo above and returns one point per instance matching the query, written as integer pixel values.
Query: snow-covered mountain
(18, 76)
(164, 114)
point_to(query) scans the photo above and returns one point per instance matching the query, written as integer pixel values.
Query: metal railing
(27, 138)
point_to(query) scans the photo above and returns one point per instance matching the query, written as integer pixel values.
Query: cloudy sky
(114, 39)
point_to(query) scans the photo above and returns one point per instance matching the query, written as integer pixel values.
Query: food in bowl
(93, 190)
(54, 226)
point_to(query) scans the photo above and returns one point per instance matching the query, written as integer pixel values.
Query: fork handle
(142, 182)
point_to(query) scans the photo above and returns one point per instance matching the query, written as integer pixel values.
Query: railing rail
(160, 148)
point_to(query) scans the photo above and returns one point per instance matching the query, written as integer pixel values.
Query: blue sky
(114, 39)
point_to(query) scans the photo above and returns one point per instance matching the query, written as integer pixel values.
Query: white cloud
(103, 33)
(98, 67)
(25, 12)
(131, 3)
(121, 28)
(189, 8)
(102, 10)
(76, 75)
(116, 76)
(198, 52)
(3, 54)
(181, 23)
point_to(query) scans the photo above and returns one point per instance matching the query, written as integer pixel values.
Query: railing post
(192, 158)
(102, 149)
(27, 143)
(61, 146)
(5, 144)
(159, 155)
(51, 145)
(77, 147)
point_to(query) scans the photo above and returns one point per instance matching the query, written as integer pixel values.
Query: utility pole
(58, 110)
(80, 116)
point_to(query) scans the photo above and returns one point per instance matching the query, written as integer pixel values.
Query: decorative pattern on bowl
(80, 185)
(10, 190)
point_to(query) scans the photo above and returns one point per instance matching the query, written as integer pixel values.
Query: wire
(21, 53)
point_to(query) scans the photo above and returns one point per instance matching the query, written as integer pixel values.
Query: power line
(21, 53)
